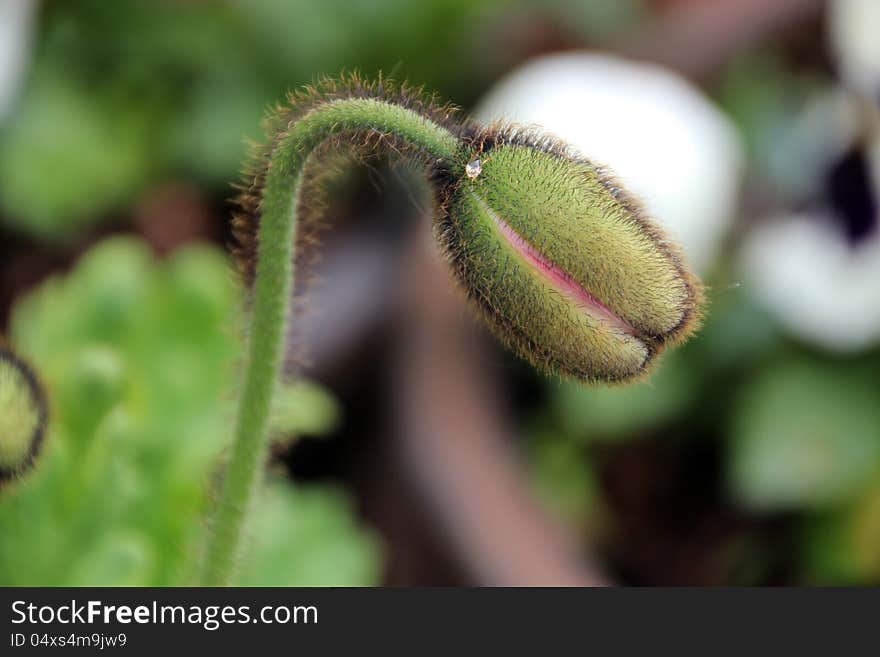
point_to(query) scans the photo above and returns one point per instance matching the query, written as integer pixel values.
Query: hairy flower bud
(22, 415)
(564, 265)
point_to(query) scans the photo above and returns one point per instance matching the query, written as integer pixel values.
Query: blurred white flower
(854, 33)
(819, 287)
(16, 27)
(818, 273)
(659, 134)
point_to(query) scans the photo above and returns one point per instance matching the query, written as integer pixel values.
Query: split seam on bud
(556, 277)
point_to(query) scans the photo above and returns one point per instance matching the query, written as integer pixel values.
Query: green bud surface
(565, 266)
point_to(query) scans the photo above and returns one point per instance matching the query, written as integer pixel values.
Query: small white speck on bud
(473, 169)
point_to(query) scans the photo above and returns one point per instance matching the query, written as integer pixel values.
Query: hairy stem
(357, 118)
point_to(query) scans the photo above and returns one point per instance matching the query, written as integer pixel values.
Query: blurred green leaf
(804, 434)
(122, 94)
(736, 333)
(598, 20)
(208, 136)
(68, 155)
(563, 478)
(307, 536)
(844, 548)
(303, 408)
(766, 98)
(136, 355)
(594, 413)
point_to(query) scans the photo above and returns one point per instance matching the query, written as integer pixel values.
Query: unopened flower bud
(564, 264)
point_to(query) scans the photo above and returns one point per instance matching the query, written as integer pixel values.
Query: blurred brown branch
(456, 439)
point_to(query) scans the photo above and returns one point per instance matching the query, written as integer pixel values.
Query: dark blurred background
(424, 454)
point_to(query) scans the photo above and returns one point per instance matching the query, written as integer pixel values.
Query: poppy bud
(563, 263)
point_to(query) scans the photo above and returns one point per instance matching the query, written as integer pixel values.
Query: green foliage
(303, 408)
(135, 354)
(841, 546)
(67, 158)
(611, 414)
(564, 479)
(305, 537)
(766, 99)
(805, 435)
(125, 93)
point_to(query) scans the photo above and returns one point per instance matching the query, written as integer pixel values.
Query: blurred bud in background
(660, 135)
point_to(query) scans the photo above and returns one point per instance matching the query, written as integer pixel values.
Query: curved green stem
(272, 290)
